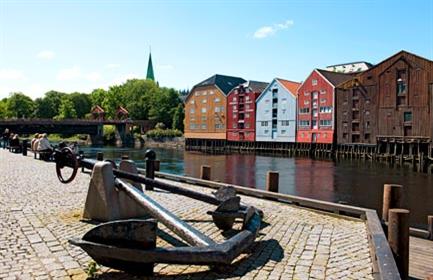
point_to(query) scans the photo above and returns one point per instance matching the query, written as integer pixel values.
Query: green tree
(82, 103)
(97, 96)
(66, 110)
(48, 106)
(178, 116)
(19, 105)
(164, 103)
(3, 110)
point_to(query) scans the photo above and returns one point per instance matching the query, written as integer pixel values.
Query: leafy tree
(82, 103)
(48, 106)
(137, 97)
(19, 105)
(66, 110)
(3, 111)
(97, 96)
(164, 103)
(178, 117)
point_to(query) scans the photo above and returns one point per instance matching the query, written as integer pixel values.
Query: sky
(82, 45)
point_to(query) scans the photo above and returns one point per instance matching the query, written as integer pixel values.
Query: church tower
(150, 75)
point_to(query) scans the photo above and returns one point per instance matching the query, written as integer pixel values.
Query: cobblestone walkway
(38, 214)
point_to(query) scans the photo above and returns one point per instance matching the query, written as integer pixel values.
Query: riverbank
(39, 214)
(164, 142)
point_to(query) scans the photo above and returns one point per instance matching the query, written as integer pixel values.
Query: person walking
(5, 138)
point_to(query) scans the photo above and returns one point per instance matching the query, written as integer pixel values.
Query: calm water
(355, 182)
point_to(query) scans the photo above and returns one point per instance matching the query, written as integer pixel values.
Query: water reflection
(356, 182)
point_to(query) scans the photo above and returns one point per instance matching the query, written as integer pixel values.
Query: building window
(285, 123)
(304, 110)
(192, 126)
(204, 93)
(235, 99)
(322, 100)
(306, 93)
(203, 126)
(304, 123)
(247, 125)
(407, 116)
(211, 92)
(203, 110)
(247, 98)
(219, 126)
(284, 111)
(217, 109)
(314, 82)
(267, 100)
(315, 95)
(235, 116)
(234, 107)
(326, 109)
(192, 102)
(302, 135)
(325, 122)
(247, 107)
(264, 123)
(247, 115)
(314, 123)
(204, 101)
(401, 82)
(283, 132)
(196, 94)
(192, 110)
(266, 131)
(235, 125)
(323, 91)
(306, 102)
(217, 99)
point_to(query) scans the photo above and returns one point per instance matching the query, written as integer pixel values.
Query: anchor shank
(179, 227)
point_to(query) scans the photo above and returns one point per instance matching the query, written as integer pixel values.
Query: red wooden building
(316, 106)
(241, 111)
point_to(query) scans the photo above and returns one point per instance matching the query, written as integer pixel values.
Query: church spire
(150, 75)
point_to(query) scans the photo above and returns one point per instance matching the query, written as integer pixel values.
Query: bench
(42, 155)
(14, 149)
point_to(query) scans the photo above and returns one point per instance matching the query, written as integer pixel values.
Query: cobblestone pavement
(38, 215)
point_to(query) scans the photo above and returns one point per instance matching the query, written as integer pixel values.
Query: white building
(353, 67)
(276, 112)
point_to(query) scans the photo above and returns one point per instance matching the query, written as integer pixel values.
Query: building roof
(289, 85)
(335, 78)
(350, 63)
(256, 86)
(97, 109)
(224, 83)
(122, 110)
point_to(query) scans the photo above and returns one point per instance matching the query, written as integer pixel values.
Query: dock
(38, 215)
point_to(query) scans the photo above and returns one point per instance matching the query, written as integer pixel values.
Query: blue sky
(82, 45)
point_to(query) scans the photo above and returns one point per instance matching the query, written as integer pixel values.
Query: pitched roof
(335, 78)
(97, 109)
(225, 83)
(256, 86)
(121, 109)
(289, 85)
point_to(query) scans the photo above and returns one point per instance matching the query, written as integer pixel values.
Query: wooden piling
(100, 156)
(430, 226)
(392, 198)
(205, 172)
(150, 168)
(272, 179)
(157, 165)
(398, 238)
(24, 147)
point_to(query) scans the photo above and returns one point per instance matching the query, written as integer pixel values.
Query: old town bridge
(76, 126)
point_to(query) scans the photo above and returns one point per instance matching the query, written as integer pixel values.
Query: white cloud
(93, 76)
(112, 66)
(11, 74)
(266, 31)
(48, 55)
(69, 73)
(165, 67)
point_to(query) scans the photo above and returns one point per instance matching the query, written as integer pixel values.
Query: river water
(353, 181)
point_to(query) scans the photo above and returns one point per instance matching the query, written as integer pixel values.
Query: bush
(161, 133)
(109, 133)
(160, 125)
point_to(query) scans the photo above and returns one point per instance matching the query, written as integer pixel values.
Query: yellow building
(205, 108)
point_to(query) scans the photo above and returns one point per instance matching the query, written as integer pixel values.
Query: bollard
(205, 172)
(398, 239)
(272, 179)
(81, 155)
(157, 165)
(150, 167)
(392, 198)
(125, 157)
(24, 147)
(100, 156)
(430, 226)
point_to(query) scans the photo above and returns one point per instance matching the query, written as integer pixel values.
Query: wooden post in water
(205, 172)
(157, 165)
(398, 238)
(392, 198)
(430, 226)
(272, 179)
(100, 156)
(150, 167)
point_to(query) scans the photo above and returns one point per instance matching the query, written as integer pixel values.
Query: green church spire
(150, 75)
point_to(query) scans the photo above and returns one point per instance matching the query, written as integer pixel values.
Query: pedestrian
(32, 143)
(5, 138)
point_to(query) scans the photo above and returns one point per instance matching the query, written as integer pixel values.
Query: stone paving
(38, 215)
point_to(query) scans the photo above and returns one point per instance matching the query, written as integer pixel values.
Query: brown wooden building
(391, 102)
(205, 108)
